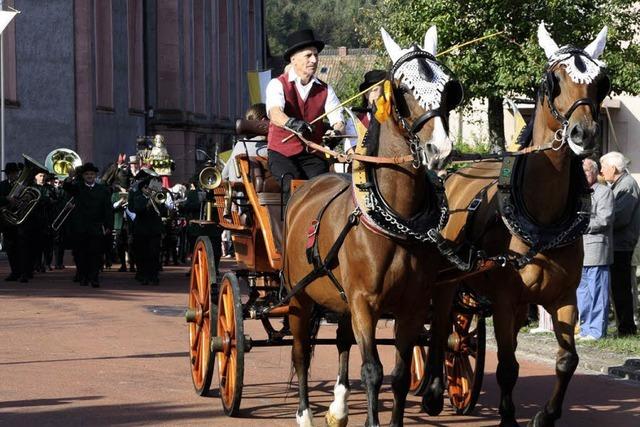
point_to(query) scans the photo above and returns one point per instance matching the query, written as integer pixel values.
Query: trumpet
(159, 197)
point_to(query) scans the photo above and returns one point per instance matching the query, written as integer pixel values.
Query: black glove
(332, 137)
(298, 126)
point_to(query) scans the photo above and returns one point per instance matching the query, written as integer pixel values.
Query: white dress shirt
(275, 96)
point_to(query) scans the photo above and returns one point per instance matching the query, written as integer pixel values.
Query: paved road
(72, 356)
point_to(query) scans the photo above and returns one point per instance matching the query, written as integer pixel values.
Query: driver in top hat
(294, 99)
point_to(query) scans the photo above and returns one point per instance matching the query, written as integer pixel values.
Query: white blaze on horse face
(439, 146)
(306, 419)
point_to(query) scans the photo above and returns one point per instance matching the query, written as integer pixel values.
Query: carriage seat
(269, 194)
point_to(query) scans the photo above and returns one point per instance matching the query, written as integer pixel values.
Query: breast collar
(378, 216)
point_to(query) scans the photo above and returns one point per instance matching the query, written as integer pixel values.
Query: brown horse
(380, 267)
(530, 224)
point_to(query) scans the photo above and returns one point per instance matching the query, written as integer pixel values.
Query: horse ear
(596, 47)
(392, 47)
(431, 40)
(545, 41)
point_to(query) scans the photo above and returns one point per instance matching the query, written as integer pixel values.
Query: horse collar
(517, 220)
(381, 218)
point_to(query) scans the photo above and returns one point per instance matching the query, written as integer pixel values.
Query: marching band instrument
(210, 177)
(25, 197)
(64, 214)
(159, 197)
(61, 161)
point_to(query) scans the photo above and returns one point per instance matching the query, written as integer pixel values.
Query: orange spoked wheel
(230, 344)
(464, 361)
(418, 370)
(201, 315)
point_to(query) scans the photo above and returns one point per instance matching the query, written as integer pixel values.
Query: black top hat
(372, 77)
(11, 167)
(88, 167)
(301, 39)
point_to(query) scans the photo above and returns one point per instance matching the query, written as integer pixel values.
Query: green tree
(512, 63)
(333, 21)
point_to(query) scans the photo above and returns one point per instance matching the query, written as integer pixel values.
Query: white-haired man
(626, 229)
(593, 291)
(294, 99)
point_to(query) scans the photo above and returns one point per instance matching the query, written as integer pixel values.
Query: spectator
(626, 228)
(593, 291)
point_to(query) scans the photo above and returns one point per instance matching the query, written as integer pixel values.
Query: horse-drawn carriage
(520, 218)
(253, 211)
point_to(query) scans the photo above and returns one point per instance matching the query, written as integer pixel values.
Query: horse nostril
(576, 134)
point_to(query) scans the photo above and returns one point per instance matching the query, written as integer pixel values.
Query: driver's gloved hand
(332, 137)
(299, 126)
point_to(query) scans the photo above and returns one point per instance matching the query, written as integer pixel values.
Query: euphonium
(24, 196)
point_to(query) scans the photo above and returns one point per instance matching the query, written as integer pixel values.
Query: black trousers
(147, 250)
(621, 282)
(88, 256)
(300, 166)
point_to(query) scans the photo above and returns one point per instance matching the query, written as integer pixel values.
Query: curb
(544, 347)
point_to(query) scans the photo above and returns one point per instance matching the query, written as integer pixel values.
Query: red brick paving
(72, 356)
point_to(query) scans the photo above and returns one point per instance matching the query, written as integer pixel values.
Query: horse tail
(314, 327)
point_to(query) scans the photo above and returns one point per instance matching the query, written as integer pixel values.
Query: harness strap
(322, 268)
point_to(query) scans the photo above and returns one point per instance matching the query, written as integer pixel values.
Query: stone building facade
(92, 75)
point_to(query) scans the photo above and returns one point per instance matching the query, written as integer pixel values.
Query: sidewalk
(544, 347)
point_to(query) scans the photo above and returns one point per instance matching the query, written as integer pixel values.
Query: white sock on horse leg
(339, 408)
(306, 419)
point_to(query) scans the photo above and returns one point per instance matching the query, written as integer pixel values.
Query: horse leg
(364, 329)
(300, 309)
(508, 367)
(338, 414)
(564, 321)
(433, 398)
(406, 333)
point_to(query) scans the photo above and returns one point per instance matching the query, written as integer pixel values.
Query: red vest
(295, 107)
(364, 119)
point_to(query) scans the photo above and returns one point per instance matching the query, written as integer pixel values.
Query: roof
(344, 68)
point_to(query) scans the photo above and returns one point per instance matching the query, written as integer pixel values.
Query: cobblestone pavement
(72, 356)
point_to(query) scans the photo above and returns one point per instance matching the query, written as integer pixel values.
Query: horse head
(574, 85)
(424, 93)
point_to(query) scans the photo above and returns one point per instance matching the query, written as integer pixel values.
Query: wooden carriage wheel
(231, 344)
(201, 315)
(464, 361)
(418, 370)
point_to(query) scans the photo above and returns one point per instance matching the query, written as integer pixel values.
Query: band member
(147, 227)
(14, 240)
(60, 236)
(294, 99)
(93, 220)
(39, 223)
(121, 225)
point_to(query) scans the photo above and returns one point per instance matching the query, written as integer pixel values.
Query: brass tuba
(61, 161)
(24, 195)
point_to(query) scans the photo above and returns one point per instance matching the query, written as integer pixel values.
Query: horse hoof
(332, 421)
(542, 419)
(431, 405)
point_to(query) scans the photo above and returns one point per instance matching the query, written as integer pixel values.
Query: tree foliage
(512, 63)
(332, 21)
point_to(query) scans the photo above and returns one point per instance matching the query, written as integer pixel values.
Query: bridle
(401, 111)
(549, 85)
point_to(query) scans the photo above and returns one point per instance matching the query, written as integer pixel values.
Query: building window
(135, 56)
(103, 54)
(9, 51)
